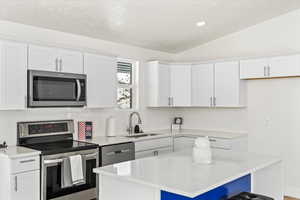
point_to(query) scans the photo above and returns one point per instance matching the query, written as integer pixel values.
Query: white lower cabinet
(153, 147)
(25, 186)
(234, 144)
(20, 178)
(153, 152)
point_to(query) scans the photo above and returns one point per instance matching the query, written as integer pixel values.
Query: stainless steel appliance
(117, 153)
(55, 140)
(55, 89)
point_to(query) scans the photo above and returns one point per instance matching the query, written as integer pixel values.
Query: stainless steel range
(55, 140)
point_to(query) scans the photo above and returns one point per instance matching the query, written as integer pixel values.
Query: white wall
(152, 118)
(272, 117)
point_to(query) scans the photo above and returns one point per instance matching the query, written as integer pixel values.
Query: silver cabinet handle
(56, 64)
(266, 70)
(60, 65)
(212, 140)
(27, 161)
(210, 101)
(78, 90)
(215, 101)
(16, 183)
(269, 73)
(169, 101)
(155, 153)
(118, 152)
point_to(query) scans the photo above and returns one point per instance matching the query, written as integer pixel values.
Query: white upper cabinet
(71, 61)
(284, 66)
(54, 59)
(158, 84)
(281, 66)
(168, 85)
(102, 80)
(256, 68)
(229, 89)
(42, 58)
(199, 85)
(202, 85)
(13, 74)
(180, 77)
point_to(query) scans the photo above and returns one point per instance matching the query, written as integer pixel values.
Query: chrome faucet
(130, 128)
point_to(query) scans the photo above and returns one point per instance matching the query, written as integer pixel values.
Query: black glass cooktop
(61, 146)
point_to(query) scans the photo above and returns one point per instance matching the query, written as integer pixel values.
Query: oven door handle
(54, 161)
(78, 89)
(91, 156)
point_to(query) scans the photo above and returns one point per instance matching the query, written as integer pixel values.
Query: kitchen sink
(138, 135)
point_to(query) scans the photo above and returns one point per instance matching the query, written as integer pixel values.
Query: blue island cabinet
(237, 186)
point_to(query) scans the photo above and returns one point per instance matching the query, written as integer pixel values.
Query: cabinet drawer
(220, 143)
(116, 153)
(152, 144)
(25, 164)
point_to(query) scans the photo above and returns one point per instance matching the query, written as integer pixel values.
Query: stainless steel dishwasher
(116, 153)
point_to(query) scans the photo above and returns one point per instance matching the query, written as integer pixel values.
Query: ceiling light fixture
(202, 23)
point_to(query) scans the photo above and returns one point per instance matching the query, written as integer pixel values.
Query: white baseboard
(292, 192)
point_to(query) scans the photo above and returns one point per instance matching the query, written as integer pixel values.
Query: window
(127, 84)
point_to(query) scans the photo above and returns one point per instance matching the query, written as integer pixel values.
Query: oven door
(55, 89)
(51, 176)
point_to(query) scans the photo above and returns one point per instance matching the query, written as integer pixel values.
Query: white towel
(76, 169)
(66, 173)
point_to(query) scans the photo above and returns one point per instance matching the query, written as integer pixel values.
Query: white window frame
(134, 84)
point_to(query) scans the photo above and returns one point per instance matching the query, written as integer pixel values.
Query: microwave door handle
(78, 89)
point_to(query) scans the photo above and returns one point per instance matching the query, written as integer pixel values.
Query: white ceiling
(166, 25)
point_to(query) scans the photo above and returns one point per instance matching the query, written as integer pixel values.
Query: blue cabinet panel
(242, 184)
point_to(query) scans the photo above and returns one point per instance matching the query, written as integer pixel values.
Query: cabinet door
(42, 58)
(13, 75)
(181, 143)
(158, 84)
(285, 66)
(153, 152)
(25, 186)
(256, 68)
(227, 84)
(163, 85)
(180, 85)
(71, 61)
(202, 84)
(101, 83)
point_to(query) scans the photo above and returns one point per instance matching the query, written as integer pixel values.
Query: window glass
(124, 98)
(124, 73)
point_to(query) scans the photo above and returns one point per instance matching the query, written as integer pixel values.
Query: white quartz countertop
(13, 152)
(177, 173)
(104, 140)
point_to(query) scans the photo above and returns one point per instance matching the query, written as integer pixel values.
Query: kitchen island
(176, 176)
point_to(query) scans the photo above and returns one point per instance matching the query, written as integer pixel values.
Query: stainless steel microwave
(55, 89)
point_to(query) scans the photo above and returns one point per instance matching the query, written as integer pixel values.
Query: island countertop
(177, 173)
